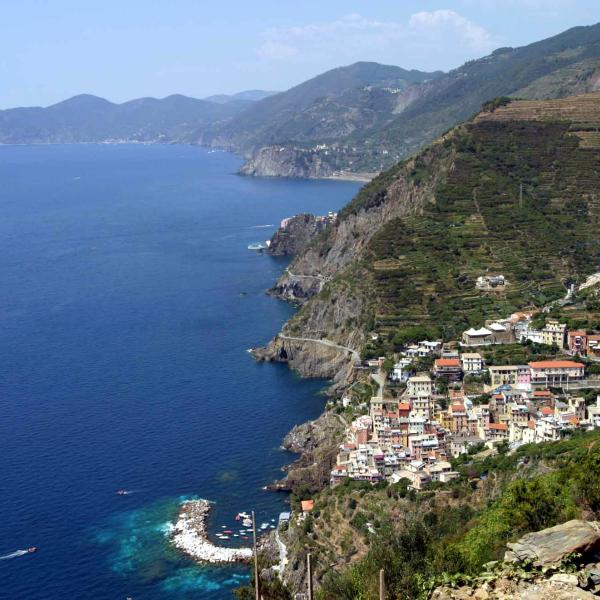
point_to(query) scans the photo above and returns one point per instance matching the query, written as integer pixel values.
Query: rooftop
(555, 364)
(498, 426)
(447, 362)
(475, 332)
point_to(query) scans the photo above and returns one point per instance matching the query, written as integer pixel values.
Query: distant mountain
(357, 119)
(351, 119)
(87, 118)
(251, 95)
(332, 105)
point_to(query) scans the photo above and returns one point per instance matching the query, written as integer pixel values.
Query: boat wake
(261, 226)
(14, 554)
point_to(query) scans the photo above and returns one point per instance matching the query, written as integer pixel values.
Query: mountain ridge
(555, 67)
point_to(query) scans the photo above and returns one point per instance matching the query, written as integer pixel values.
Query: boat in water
(259, 245)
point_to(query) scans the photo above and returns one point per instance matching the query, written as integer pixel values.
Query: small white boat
(258, 246)
(247, 522)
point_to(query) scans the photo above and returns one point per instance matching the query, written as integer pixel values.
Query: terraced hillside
(516, 192)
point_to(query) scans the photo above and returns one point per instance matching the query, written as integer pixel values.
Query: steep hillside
(515, 191)
(370, 129)
(88, 118)
(332, 105)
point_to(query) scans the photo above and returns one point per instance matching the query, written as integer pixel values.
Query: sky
(123, 49)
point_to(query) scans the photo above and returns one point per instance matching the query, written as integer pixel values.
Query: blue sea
(128, 300)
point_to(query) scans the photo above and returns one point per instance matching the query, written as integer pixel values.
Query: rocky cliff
(285, 161)
(317, 442)
(326, 278)
(296, 234)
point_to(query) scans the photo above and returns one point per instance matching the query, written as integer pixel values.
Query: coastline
(358, 177)
(190, 535)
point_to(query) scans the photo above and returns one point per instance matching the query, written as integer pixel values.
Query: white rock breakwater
(189, 535)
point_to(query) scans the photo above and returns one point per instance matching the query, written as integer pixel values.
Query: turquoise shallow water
(127, 304)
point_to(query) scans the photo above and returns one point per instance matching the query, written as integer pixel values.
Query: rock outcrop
(552, 545)
(317, 443)
(296, 234)
(308, 357)
(285, 161)
(559, 563)
(507, 589)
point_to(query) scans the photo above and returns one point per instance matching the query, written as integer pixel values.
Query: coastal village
(439, 401)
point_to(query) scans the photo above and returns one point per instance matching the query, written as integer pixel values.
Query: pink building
(523, 375)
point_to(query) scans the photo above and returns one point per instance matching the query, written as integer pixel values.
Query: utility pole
(310, 581)
(381, 584)
(256, 591)
(521, 195)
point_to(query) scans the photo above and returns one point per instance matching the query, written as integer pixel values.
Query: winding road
(321, 277)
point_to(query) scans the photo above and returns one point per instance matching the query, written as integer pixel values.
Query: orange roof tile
(404, 406)
(307, 505)
(546, 410)
(447, 362)
(498, 426)
(542, 394)
(555, 364)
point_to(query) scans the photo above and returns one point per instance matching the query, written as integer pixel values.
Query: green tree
(588, 480)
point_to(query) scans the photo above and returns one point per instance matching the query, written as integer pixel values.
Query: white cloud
(441, 22)
(426, 40)
(273, 50)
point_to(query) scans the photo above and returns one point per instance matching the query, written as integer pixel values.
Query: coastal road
(321, 277)
(323, 341)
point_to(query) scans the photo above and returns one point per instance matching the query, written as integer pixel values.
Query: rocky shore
(190, 535)
(317, 444)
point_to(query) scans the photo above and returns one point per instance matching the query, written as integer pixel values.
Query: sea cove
(128, 302)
